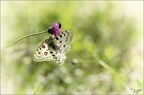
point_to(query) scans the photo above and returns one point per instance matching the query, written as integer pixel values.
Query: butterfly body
(54, 48)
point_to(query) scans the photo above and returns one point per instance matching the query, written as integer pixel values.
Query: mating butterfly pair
(55, 47)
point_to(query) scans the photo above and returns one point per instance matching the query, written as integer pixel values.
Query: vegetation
(103, 55)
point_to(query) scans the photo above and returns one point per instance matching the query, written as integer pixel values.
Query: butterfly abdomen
(53, 46)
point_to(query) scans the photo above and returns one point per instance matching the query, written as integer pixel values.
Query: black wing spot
(64, 45)
(68, 33)
(60, 35)
(60, 41)
(66, 39)
(64, 34)
(57, 38)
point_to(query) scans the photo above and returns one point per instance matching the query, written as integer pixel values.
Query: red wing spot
(43, 46)
(45, 53)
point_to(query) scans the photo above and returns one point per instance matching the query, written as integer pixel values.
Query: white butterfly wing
(42, 53)
(66, 44)
(58, 57)
(62, 41)
(60, 46)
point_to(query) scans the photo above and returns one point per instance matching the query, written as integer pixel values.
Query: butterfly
(54, 48)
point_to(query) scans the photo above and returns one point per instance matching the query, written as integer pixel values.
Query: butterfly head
(55, 29)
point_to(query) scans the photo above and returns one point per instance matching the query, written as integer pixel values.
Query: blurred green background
(106, 52)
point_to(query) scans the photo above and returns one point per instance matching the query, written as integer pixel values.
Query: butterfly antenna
(26, 37)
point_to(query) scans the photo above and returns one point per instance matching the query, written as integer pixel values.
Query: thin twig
(26, 37)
